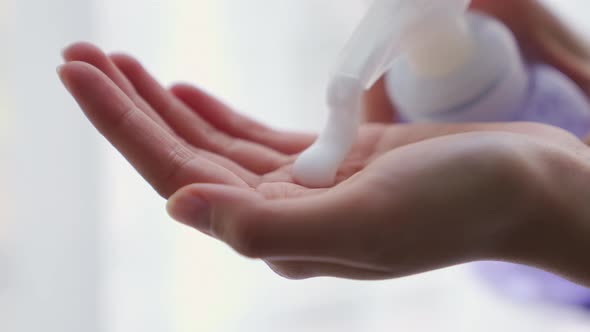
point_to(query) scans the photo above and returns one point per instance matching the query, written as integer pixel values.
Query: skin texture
(408, 198)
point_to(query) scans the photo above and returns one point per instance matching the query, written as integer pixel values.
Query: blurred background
(86, 245)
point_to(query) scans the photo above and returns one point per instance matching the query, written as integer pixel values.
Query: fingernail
(192, 211)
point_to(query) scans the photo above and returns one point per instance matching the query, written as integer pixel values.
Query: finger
(193, 128)
(312, 227)
(378, 105)
(89, 53)
(544, 37)
(162, 160)
(572, 65)
(237, 125)
(299, 270)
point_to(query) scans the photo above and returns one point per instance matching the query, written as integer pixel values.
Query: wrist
(556, 233)
(573, 259)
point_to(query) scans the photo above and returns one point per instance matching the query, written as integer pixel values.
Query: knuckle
(122, 121)
(178, 157)
(175, 163)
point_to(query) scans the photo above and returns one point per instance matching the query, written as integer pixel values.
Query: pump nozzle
(419, 29)
(394, 27)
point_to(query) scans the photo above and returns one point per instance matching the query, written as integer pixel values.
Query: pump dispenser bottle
(444, 64)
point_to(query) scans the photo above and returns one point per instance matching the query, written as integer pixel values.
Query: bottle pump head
(431, 34)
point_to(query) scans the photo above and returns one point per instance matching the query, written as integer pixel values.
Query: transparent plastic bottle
(511, 91)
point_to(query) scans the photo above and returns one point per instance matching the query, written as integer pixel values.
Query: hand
(541, 35)
(486, 195)
(385, 217)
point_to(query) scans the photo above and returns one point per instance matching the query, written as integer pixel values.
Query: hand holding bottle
(541, 35)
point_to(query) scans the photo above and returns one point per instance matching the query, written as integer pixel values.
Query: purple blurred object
(555, 100)
(525, 283)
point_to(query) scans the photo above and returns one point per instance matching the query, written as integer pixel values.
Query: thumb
(323, 226)
(196, 205)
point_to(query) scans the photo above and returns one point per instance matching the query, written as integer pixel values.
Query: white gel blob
(317, 166)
